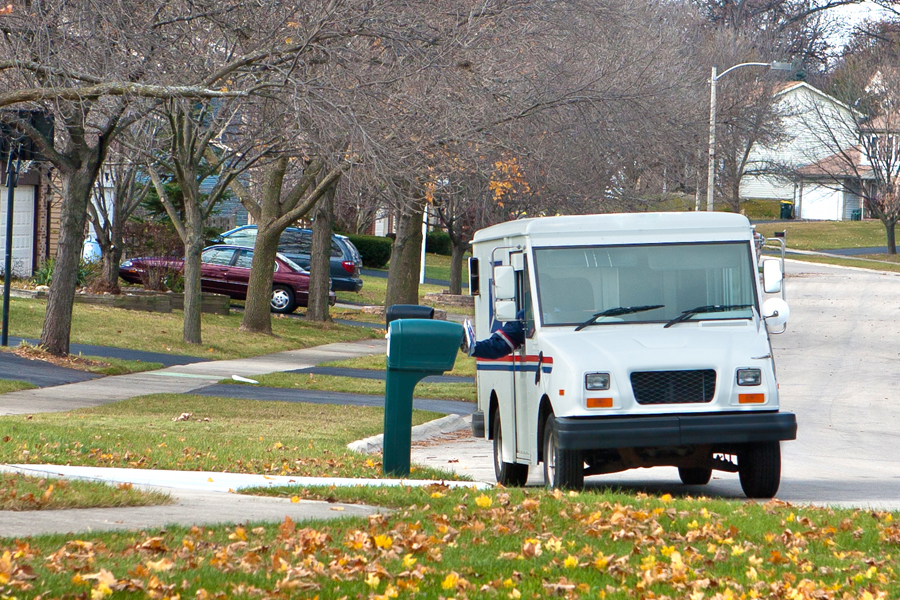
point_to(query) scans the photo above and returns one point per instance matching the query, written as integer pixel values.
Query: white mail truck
(646, 344)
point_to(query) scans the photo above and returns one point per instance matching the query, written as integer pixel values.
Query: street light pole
(711, 167)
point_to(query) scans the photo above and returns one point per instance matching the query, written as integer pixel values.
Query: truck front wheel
(759, 467)
(563, 469)
(508, 474)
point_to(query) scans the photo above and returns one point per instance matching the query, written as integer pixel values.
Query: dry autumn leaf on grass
(520, 544)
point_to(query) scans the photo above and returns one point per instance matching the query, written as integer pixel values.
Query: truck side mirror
(772, 276)
(776, 312)
(504, 283)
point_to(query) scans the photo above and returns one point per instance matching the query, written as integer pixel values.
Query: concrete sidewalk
(178, 379)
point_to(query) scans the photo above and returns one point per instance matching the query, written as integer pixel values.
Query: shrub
(438, 242)
(86, 273)
(375, 251)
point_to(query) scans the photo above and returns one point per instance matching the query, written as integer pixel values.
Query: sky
(849, 16)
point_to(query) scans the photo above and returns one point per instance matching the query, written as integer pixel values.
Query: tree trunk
(76, 193)
(891, 237)
(406, 255)
(257, 309)
(320, 260)
(109, 265)
(193, 246)
(456, 267)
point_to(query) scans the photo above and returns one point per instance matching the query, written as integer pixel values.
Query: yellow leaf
(450, 581)
(383, 541)
(163, 564)
(239, 534)
(373, 580)
(666, 498)
(515, 594)
(437, 495)
(295, 499)
(571, 562)
(484, 501)
(210, 480)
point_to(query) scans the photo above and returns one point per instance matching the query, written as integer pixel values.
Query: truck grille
(673, 387)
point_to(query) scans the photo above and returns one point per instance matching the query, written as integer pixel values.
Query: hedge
(438, 242)
(375, 251)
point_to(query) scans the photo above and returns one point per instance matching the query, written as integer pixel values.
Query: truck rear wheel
(694, 475)
(759, 467)
(508, 474)
(563, 469)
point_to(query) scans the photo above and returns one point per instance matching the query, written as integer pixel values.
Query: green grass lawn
(11, 385)
(827, 235)
(356, 385)
(20, 492)
(222, 434)
(505, 544)
(162, 332)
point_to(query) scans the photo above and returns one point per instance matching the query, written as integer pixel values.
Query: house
(815, 125)
(35, 206)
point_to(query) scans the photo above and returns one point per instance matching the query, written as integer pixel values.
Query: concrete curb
(425, 431)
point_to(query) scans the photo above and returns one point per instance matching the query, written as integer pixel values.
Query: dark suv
(296, 244)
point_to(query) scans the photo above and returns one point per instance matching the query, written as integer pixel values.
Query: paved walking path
(176, 379)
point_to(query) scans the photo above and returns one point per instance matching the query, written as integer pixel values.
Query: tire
(759, 467)
(508, 474)
(694, 475)
(563, 469)
(282, 299)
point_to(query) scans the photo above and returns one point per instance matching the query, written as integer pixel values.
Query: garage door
(23, 230)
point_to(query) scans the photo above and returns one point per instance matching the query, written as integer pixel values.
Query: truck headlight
(749, 377)
(596, 381)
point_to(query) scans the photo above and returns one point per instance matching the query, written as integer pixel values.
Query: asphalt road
(838, 368)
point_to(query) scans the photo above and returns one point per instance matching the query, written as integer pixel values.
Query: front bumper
(592, 433)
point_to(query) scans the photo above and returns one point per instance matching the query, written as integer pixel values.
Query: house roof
(790, 86)
(840, 165)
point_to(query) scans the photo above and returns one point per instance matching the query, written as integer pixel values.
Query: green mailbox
(416, 348)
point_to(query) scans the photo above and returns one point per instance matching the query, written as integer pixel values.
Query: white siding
(23, 230)
(815, 126)
(768, 188)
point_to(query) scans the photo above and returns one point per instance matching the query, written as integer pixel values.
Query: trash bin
(787, 209)
(856, 214)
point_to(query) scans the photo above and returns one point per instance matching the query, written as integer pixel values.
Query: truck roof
(622, 228)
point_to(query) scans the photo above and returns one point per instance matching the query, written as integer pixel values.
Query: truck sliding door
(524, 368)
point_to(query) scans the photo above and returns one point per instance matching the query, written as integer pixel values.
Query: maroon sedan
(226, 270)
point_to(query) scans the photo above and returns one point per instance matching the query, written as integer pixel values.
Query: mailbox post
(416, 348)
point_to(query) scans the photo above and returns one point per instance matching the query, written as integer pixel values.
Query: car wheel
(563, 469)
(759, 467)
(508, 474)
(694, 475)
(282, 299)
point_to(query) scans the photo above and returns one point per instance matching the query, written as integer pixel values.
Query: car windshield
(576, 283)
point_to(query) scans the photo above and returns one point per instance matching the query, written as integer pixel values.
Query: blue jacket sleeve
(502, 343)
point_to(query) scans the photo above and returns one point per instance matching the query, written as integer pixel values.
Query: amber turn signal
(752, 398)
(599, 402)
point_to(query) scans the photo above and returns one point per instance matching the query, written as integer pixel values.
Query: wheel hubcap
(550, 461)
(279, 299)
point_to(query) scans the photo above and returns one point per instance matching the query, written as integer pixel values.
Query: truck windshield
(575, 283)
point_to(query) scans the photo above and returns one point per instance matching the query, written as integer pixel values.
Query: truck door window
(523, 299)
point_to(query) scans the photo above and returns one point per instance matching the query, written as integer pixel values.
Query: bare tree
(86, 62)
(122, 187)
(863, 149)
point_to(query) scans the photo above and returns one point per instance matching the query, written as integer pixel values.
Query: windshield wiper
(615, 312)
(712, 308)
